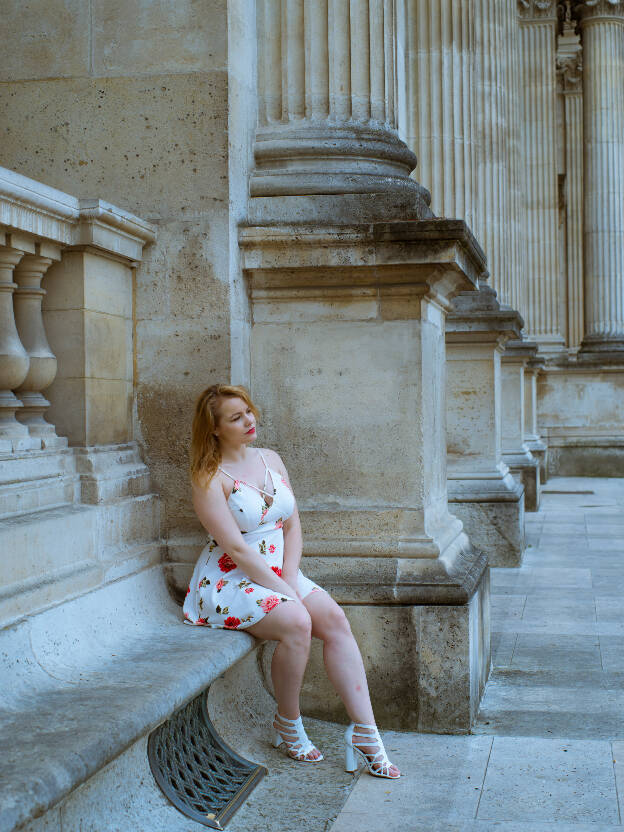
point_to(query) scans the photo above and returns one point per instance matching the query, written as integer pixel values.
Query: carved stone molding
(590, 9)
(570, 73)
(537, 9)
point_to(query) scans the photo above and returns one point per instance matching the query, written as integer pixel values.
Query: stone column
(545, 295)
(569, 68)
(440, 124)
(440, 128)
(516, 452)
(492, 209)
(42, 366)
(602, 33)
(326, 142)
(14, 360)
(532, 437)
(482, 492)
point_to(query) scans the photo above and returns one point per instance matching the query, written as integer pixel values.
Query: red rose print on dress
(267, 604)
(188, 590)
(202, 620)
(249, 589)
(220, 584)
(271, 548)
(231, 623)
(277, 570)
(226, 564)
(279, 524)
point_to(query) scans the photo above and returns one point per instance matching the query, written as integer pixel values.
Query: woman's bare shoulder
(274, 459)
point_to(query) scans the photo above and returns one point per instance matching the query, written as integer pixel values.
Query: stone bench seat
(81, 682)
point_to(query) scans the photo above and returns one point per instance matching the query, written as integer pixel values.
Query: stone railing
(73, 337)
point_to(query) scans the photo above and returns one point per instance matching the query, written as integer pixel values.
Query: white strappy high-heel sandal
(298, 746)
(377, 762)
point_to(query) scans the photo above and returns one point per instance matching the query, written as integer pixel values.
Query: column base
(602, 349)
(492, 511)
(525, 467)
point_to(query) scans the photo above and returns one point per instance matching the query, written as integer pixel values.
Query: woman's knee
(333, 624)
(298, 626)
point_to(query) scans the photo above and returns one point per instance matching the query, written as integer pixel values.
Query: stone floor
(547, 753)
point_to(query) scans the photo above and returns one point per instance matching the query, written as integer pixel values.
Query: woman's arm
(293, 538)
(212, 509)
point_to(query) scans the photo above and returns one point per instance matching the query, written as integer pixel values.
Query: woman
(248, 576)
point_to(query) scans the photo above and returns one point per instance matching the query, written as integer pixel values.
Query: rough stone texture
(168, 138)
(495, 527)
(580, 409)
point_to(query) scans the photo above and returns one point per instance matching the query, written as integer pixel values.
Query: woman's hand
(291, 580)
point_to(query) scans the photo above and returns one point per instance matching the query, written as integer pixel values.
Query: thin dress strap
(250, 484)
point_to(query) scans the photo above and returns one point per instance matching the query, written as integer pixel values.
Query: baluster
(14, 361)
(42, 370)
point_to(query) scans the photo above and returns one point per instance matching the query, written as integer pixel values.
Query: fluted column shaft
(569, 66)
(492, 208)
(602, 27)
(544, 293)
(440, 102)
(326, 100)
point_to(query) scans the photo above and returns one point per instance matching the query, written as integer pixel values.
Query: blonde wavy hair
(205, 448)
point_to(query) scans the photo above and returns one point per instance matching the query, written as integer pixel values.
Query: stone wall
(139, 103)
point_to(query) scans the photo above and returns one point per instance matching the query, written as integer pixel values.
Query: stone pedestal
(532, 437)
(348, 364)
(482, 491)
(516, 452)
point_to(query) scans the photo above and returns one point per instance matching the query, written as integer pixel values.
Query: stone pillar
(602, 33)
(492, 225)
(356, 316)
(42, 366)
(326, 141)
(482, 492)
(440, 128)
(440, 124)
(569, 67)
(532, 437)
(14, 360)
(545, 309)
(516, 452)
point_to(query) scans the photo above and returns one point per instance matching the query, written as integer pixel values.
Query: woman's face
(236, 424)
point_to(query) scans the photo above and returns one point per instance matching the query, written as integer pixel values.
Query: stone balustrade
(65, 308)
(75, 507)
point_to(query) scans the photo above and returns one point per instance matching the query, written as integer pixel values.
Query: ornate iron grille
(201, 775)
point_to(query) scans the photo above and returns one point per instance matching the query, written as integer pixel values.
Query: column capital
(537, 10)
(589, 10)
(570, 73)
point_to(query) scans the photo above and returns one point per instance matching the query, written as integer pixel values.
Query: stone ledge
(83, 681)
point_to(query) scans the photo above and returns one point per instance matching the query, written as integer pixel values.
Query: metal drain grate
(196, 770)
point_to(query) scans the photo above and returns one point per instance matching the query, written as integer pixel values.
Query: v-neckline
(261, 491)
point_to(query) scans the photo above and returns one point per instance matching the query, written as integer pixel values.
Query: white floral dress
(220, 594)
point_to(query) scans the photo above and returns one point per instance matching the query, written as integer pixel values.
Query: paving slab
(535, 651)
(549, 780)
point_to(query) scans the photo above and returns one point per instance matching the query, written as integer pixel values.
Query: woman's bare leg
(289, 624)
(343, 660)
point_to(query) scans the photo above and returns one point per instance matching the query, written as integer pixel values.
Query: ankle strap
(285, 718)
